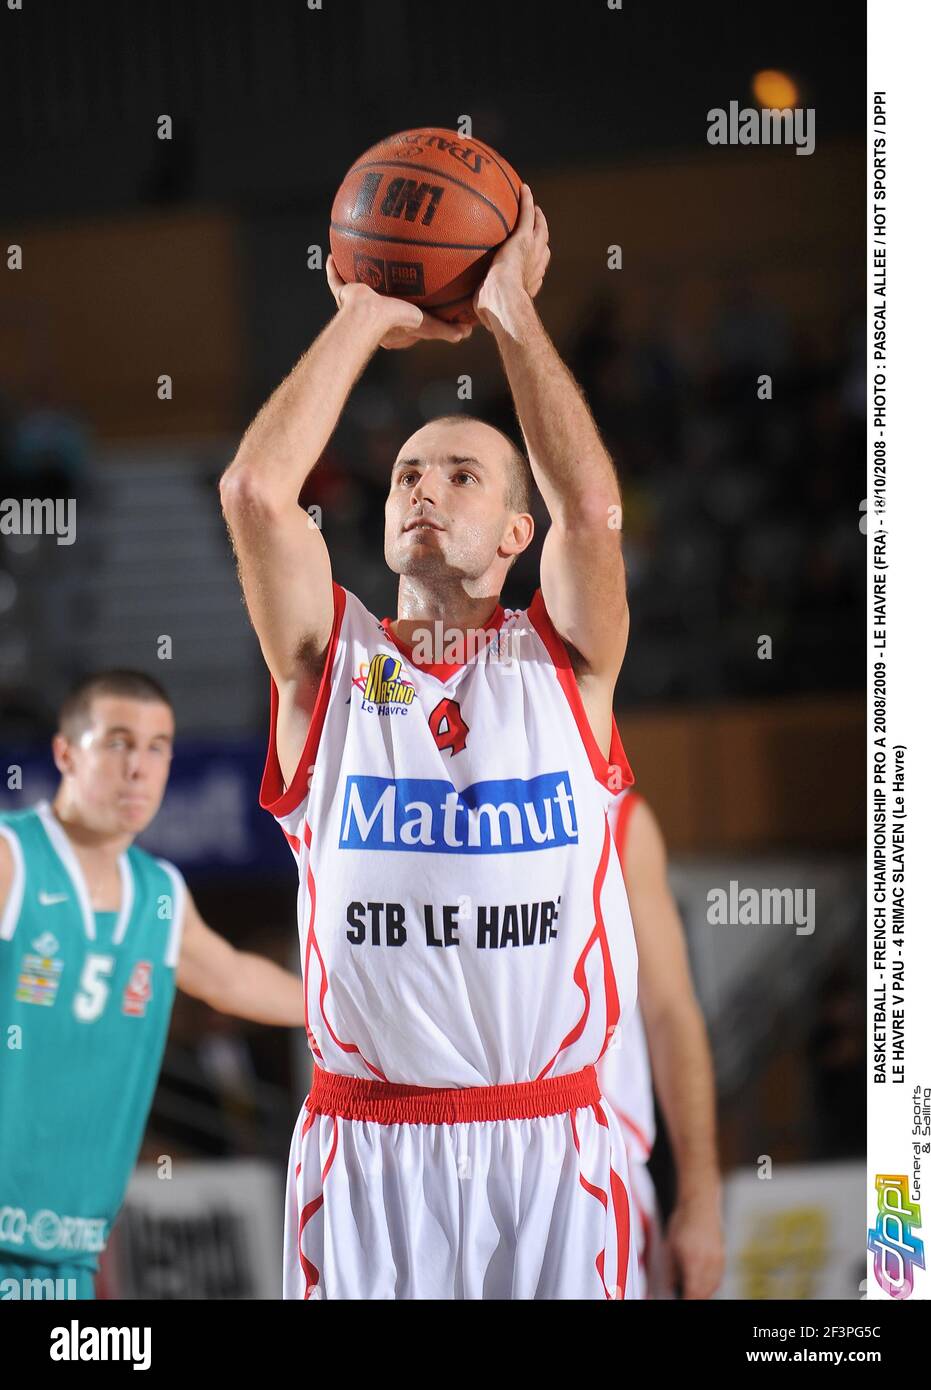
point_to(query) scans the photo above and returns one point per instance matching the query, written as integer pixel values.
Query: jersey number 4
(448, 726)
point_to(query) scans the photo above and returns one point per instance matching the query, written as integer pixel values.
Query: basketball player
(94, 935)
(442, 778)
(666, 1028)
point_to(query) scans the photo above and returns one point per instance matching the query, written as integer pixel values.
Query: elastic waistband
(354, 1098)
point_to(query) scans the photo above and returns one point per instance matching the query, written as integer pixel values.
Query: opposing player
(443, 779)
(94, 935)
(667, 1030)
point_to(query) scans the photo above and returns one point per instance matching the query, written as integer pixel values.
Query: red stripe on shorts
(310, 1270)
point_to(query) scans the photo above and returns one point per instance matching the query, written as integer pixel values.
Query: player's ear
(517, 537)
(523, 527)
(62, 754)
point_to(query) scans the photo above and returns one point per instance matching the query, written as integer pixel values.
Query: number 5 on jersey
(93, 989)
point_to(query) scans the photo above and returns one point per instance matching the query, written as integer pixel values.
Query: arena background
(189, 257)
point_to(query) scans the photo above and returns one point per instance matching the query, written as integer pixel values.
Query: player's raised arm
(283, 563)
(581, 568)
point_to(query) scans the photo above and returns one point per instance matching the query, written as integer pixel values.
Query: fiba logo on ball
(405, 277)
(370, 271)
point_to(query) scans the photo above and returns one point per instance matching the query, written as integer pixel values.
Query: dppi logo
(384, 688)
(896, 1251)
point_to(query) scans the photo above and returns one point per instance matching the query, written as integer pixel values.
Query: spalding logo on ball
(420, 216)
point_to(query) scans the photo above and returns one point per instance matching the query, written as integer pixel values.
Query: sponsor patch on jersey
(427, 815)
(384, 686)
(40, 973)
(47, 1230)
(139, 990)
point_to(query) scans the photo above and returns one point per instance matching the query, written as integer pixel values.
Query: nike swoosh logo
(50, 899)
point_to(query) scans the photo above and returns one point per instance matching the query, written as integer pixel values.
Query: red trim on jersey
(599, 934)
(600, 1194)
(622, 821)
(293, 841)
(625, 807)
(442, 670)
(601, 766)
(312, 889)
(385, 1103)
(635, 1130)
(310, 1270)
(273, 795)
(324, 982)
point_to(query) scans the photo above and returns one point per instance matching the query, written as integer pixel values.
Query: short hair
(520, 475)
(75, 712)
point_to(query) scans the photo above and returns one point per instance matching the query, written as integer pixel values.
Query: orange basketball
(420, 215)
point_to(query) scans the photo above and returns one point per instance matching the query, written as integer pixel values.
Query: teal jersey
(85, 1001)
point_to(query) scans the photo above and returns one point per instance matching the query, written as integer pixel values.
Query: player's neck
(422, 605)
(102, 847)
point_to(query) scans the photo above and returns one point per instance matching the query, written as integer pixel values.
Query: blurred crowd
(45, 453)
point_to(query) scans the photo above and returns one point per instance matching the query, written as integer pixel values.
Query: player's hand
(404, 324)
(695, 1241)
(519, 263)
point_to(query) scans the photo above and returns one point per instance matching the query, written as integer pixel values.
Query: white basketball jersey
(624, 1073)
(461, 907)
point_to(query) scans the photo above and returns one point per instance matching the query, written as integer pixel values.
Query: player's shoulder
(353, 620)
(351, 617)
(153, 869)
(19, 819)
(17, 846)
(8, 848)
(21, 833)
(535, 621)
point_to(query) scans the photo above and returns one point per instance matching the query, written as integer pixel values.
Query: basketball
(420, 216)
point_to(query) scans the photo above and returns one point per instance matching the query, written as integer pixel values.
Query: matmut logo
(430, 816)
